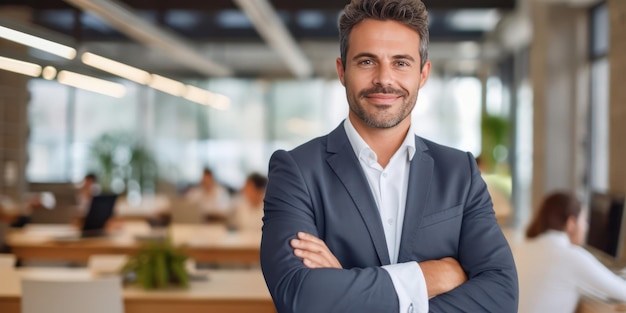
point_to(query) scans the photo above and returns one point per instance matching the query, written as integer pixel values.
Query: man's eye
(366, 62)
(402, 63)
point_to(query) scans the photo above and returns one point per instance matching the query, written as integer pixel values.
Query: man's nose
(383, 76)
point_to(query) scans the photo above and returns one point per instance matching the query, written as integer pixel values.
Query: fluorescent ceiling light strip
(220, 102)
(116, 68)
(49, 72)
(128, 22)
(206, 97)
(198, 95)
(98, 85)
(272, 29)
(167, 85)
(38, 43)
(20, 67)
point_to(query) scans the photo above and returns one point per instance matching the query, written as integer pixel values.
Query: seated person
(553, 269)
(248, 209)
(211, 197)
(86, 190)
(9, 209)
(37, 201)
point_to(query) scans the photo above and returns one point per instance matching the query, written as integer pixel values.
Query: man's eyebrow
(373, 56)
(403, 57)
(364, 55)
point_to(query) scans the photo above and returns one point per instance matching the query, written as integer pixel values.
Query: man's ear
(424, 73)
(341, 72)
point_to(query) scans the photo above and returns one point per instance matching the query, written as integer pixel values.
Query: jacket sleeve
(485, 256)
(294, 287)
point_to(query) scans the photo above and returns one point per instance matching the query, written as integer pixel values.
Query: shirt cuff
(410, 285)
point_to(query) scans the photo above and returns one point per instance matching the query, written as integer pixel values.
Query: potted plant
(158, 265)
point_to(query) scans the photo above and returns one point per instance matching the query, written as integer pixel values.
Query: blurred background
(530, 86)
(148, 94)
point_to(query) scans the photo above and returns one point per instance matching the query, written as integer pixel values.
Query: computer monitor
(606, 224)
(100, 210)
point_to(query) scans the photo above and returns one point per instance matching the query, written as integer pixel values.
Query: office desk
(204, 243)
(226, 291)
(595, 305)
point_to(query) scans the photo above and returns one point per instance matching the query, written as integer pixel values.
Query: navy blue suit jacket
(321, 189)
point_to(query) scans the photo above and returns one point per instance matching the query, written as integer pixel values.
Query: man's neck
(384, 141)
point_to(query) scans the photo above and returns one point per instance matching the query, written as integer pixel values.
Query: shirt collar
(558, 237)
(362, 149)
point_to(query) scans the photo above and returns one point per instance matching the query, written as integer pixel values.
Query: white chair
(7, 260)
(102, 295)
(106, 263)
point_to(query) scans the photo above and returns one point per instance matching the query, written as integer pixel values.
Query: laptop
(185, 212)
(100, 211)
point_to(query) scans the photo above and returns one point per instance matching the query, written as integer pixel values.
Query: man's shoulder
(439, 150)
(305, 153)
(317, 146)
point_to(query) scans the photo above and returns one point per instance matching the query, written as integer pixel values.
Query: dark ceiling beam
(430, 4)
(214, 5)
(470, 4)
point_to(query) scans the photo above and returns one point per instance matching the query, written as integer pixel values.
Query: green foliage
(120, 155)
(495, 132)
(158, 265)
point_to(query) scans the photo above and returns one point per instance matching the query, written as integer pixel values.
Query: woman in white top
(248, 212)
(553, 268)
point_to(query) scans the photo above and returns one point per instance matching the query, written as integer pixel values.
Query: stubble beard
(382, 117)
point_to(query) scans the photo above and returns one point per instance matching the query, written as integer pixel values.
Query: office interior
(533, 87)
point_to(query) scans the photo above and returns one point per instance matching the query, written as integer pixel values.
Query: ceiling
(223, 32)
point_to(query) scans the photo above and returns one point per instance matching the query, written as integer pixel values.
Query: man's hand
(442, 275)
(313, 252)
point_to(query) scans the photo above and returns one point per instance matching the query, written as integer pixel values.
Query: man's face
(382, 73)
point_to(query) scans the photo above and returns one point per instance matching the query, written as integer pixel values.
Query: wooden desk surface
(229, 291)
(204, 243)
(595, 305)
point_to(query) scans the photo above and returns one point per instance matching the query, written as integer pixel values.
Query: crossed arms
(441, 275)
(306, 275)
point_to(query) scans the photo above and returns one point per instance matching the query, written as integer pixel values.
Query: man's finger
(309, 237)
(316, 258)
(308, 245)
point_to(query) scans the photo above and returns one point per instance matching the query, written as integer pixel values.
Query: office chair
(102, 295)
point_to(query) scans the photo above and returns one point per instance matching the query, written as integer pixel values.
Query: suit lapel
(420, 176)
(347, 168)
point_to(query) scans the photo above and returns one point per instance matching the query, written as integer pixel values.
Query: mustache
(381, 90)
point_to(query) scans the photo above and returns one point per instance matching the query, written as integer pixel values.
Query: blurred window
(183, 137)
(48, 146)
(599, 106)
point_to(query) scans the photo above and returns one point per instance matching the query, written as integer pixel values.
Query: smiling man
(371, 217)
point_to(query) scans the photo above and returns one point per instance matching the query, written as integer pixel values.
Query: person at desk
(248, 209)
(554, 270)
(88, 188)
(211, 197)
(371, 217)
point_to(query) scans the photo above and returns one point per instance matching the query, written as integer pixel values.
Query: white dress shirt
(553, 273)
(246, 216)
(389, 187)
(216, 201)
